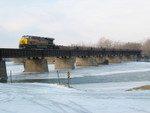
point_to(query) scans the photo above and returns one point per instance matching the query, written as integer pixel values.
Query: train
(36, 42)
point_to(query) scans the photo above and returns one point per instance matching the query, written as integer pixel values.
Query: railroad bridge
(64, 58)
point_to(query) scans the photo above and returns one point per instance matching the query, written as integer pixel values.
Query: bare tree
(117, 45)
(131, 46)
(104, 43)
(146, 47)
(108, 44)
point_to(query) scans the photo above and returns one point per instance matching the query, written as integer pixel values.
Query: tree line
(103, 42)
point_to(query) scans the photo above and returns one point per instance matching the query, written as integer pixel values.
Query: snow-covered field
(88, 97)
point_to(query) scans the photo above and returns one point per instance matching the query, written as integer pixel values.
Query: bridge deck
(21, 53)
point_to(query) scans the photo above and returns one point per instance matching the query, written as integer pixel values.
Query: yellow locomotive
(36, 42)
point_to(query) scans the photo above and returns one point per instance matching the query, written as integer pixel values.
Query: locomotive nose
(23, 41)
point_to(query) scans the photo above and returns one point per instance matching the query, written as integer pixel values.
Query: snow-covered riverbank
(85, 98)
(100, 89)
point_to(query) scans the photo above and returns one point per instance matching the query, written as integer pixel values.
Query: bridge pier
(3, 73)
(128, 58)
(86, 61)
(64, 63)
(114, 59)
(102, 60)
(35, 65)
(133, 57)
(124, 58)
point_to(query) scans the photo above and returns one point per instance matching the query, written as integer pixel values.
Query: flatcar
(36, 42)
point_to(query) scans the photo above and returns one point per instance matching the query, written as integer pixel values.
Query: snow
(83, 98)
(100, 89)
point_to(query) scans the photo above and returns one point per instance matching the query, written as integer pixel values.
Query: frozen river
(100, 89)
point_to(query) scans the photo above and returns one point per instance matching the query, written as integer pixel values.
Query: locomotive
(36, 42)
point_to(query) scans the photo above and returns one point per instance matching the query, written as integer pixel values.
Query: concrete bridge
(64, 58)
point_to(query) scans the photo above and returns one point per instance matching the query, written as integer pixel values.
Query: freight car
(36, 42)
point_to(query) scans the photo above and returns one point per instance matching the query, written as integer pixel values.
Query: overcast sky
(74, 21)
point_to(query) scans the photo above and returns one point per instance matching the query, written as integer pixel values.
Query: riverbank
(145, 87)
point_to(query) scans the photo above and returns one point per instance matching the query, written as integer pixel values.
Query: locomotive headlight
(23, 41)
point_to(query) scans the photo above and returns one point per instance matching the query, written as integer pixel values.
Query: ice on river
(83, 98)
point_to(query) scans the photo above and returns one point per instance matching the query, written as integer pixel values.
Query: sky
(74, 21)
